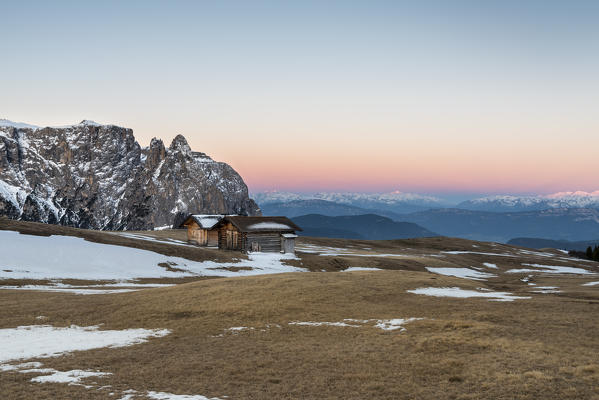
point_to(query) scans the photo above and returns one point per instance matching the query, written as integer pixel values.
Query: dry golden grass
(545, 347)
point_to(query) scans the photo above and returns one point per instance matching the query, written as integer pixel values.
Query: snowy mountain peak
(506, 203)
(179, 143)
(578, 193)
(89, 123)
(20, 125)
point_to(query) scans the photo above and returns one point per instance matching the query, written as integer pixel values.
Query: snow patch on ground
(339, 252)
(550, 269)
(394, 324)
(70, 377)
(466, 273)
(590, 284)
(351, 269)
(464, 293)
(170, 396)
(546, 289)
(153, 239)
(489, 265)
(310, 323)
(42, 341)
(9, 367)
(478, 252)
(236, 329)
(163, 228)
(384, 324)
(85, 290)
(77, 290)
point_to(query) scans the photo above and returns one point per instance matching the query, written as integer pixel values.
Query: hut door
(234, 240)
(229, 239)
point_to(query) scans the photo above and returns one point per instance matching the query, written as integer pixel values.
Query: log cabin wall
(212, 239)
(196, 235)
(264, 241)
(229, 238)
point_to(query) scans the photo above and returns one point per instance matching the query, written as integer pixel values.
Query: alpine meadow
(299, 200)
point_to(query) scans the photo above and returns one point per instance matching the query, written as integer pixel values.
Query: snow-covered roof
(268, 225)
(264, 224)
(206, 221)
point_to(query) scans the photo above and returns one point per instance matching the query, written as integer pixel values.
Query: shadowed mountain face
(369, 226)
(97, 176)
(295, 208)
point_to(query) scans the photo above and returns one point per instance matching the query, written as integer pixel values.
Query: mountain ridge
(96, 176)
(366, 226)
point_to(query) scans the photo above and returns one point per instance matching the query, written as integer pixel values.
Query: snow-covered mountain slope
(533, 203)
(397, 202)
(97, 176)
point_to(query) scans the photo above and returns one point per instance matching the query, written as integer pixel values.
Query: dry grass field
(544, 345)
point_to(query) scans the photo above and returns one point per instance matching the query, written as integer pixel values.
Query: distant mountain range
(395, 202)
(536, 243)
(295, 208)
(532, 203)
(402, 203)
(369, 226)
(498, 218)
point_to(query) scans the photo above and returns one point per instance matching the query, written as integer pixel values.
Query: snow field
(60, 257)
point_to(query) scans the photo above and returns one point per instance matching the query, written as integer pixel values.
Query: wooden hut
(252, 234)
(202, 229)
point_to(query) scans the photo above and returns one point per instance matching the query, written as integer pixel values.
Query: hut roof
(203, 220)
(263, 224)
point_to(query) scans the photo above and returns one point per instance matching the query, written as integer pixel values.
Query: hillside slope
(537, 243)
(368, 226)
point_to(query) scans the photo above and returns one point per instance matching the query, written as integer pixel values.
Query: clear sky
(420, 96)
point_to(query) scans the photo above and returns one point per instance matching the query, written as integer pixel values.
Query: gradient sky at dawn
(430, 97)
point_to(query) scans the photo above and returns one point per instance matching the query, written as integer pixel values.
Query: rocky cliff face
(97, 176)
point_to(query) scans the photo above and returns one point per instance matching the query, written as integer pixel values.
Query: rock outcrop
(98, 177)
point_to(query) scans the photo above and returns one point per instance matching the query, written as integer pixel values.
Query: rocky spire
(179, 143)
